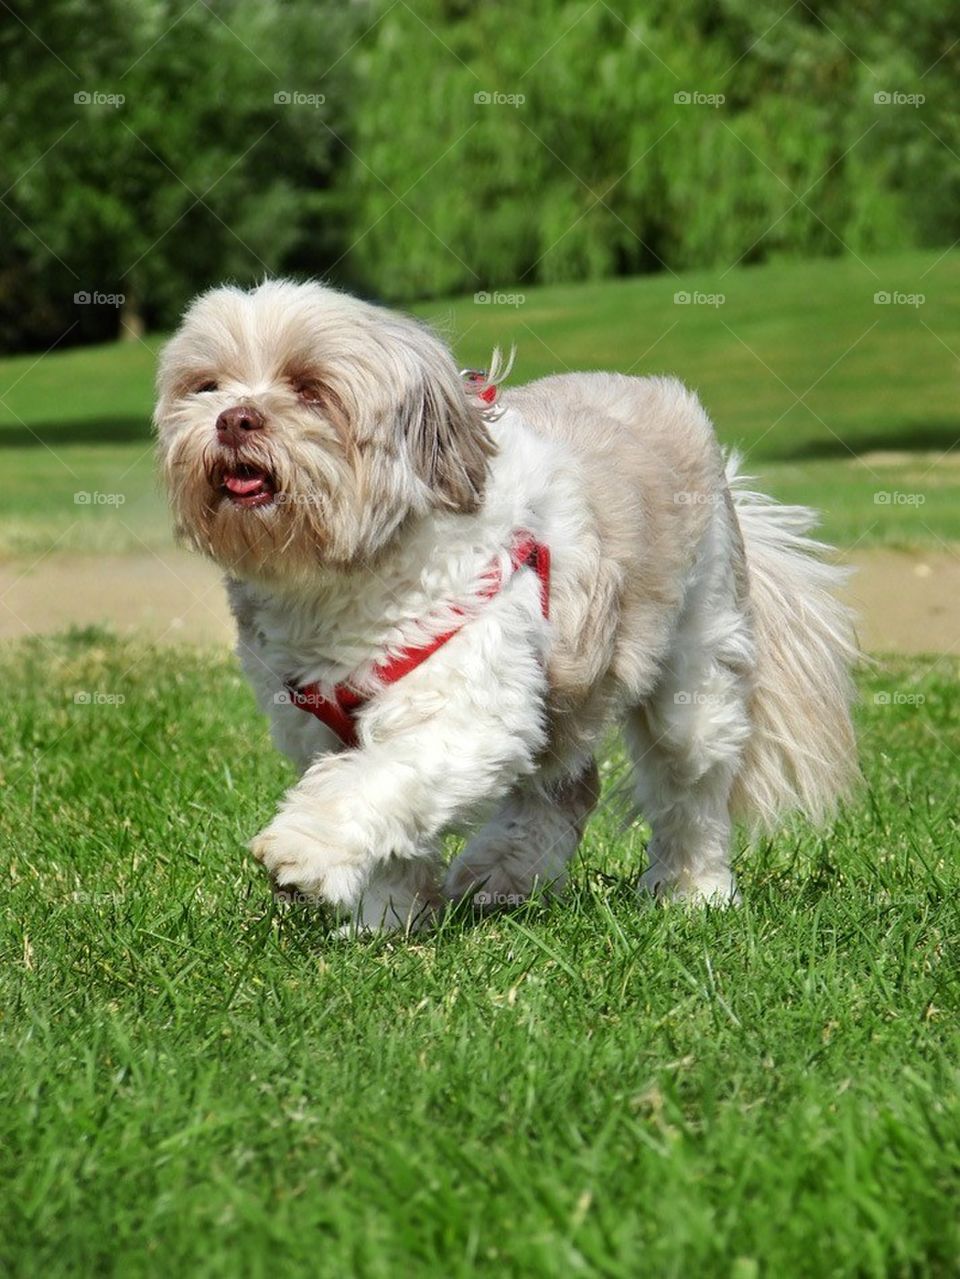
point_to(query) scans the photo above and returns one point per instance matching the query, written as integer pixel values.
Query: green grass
(877, 387)
(194, 1081)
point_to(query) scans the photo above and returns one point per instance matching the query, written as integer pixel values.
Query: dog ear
(448, 438)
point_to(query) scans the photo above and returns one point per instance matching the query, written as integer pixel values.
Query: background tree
(198, 174)
(457, 146)
(600, 170)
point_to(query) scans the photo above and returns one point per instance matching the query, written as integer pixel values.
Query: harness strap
(339, 712)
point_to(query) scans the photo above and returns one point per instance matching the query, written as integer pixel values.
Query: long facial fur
(388, 432)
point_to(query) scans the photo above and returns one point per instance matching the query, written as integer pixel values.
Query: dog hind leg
(687, 739)
(686, 801)
(527, 844)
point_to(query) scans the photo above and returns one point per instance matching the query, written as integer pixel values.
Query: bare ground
(907, 601)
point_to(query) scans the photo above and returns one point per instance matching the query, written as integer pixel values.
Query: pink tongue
(243, 488)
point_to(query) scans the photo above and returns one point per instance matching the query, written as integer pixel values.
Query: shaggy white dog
(443, 603)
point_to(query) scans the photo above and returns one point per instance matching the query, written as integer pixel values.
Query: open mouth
(246, 485)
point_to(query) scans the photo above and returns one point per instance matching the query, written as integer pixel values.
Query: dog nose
(233, 423)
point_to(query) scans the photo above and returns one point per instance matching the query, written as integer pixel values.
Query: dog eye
(205, 387)
(308, 391)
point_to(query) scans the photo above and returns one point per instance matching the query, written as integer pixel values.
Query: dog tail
(801, 754)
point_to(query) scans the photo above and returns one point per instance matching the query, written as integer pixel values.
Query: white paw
(301, 862)
(714, 889)
(497, 879)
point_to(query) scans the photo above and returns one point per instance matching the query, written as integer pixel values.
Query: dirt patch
(907, 602)
(173, 597)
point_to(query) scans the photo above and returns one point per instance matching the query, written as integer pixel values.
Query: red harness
(339, 712)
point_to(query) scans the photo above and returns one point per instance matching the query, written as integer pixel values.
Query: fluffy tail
(802, 752)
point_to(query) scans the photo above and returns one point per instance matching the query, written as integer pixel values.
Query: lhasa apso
(446, 593)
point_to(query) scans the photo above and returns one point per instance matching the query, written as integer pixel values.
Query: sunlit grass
(833, 397)
(194, 1081)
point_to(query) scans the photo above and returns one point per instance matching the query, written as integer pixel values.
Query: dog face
(299, 427)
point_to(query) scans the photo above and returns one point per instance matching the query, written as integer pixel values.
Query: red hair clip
(477, 377)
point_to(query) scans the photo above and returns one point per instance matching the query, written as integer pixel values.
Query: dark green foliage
(196, 176)
(402, 185)
(600, 171)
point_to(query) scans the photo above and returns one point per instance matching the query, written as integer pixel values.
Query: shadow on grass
(919, 437)
(306, 926)
(101, 430)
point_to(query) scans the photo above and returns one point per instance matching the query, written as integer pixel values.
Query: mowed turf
(194, 1081)
(837, 399)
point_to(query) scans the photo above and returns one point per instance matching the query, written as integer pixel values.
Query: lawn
(837, 399)
(195, 1081)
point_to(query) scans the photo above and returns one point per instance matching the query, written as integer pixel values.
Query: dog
(447, 591)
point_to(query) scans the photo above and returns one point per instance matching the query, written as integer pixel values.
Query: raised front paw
(303, 860)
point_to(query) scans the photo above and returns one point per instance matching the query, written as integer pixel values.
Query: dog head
(299, 427)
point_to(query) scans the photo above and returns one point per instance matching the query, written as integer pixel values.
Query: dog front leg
(360, 830)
